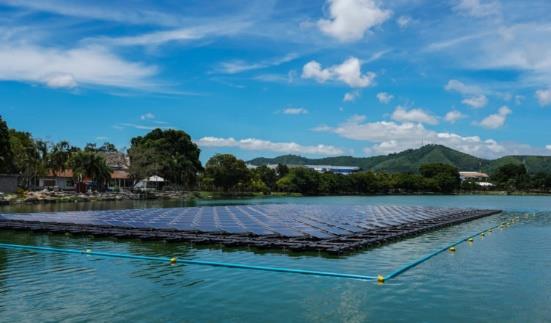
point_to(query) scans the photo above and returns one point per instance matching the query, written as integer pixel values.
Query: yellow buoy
(470, 240)
(380, 279)
(173, 260)
(452, 249)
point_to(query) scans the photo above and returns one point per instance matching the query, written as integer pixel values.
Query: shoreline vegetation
(173, 156)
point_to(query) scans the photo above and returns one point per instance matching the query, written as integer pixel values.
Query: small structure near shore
(329, 228)
(8, 183)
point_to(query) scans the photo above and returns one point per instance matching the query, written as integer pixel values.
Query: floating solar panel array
(322, 227)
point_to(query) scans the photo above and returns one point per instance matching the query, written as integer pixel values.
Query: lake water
(503, 277)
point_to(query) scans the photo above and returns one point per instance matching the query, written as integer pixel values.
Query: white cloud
(548, 147)
(351, 19)
(157, 38)
(238, 66)
(476, 8)
(520, 46)
(413, 115)
(544, 97)
(462, 88)
(384, 97)
(67, 68)
(113, 12)
(496, 120)
(403, 21)
(351, 96)
(313, 70)
(477, 102)
(348, 72)
(473, 94)
(453, 116)
(295, 111)
(390, 136)
(61, 81)
(265, 145)
(147, 116)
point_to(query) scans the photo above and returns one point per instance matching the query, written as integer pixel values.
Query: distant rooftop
(473, 175)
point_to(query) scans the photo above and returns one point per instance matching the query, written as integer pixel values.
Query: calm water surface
(505, 277)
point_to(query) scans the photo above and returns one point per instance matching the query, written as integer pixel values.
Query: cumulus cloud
(453, 116)
(351, 19)
(68, 68)
(348, 72)
(544, 97)
(462, 88)
(351, 96)
(295, 111)
(265, 145)
(313, 70)
(413, 115)
(389, 136)
(384, 97)
(472, 94)
(496, 120)
(476, 102)
(478, 8)
(548, 147)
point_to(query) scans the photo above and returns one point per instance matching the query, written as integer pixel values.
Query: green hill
(410, 160)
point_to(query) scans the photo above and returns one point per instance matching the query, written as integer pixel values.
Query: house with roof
(479, 178)
(64, 180)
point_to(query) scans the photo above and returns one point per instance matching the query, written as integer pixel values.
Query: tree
(59, 156)
(28, 156)
(168, 153)
(226, 172)
(511, 176)
(282, 170)
(107, 147)
(445, 178)
(266, 175)
(89, 164)
(6, 155)
(301, 180)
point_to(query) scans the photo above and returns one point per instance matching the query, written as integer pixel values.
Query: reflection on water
(503, 277)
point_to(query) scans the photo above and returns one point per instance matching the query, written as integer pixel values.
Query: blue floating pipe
(419, 261)
(189, 262)
(378, 278)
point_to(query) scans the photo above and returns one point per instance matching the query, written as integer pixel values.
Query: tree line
(172, 155)
(226, 173)
(32, 158)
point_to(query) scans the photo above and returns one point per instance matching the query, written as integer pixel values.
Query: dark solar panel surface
(287, 220)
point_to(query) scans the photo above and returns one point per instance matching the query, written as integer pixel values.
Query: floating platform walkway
(327, 228)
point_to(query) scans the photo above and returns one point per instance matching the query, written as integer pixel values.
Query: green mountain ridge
(408, 161)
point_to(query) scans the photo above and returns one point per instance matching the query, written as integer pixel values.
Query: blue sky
(265, 78)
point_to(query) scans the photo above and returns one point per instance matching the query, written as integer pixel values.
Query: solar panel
(284, 220)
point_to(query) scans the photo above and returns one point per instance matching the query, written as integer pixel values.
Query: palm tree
(91, 165)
